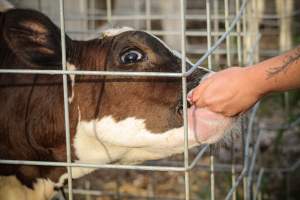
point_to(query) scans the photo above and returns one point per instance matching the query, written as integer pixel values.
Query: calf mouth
(204, 126)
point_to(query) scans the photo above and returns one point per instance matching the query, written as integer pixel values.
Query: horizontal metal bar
(92, 165)
(222, 167)
(141, 17)
(219, 41)
(122, 194)
(92, 73)
(195, 33)
(219, 167)
(98, 16)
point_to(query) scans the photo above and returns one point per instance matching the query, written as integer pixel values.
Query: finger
(189, 96)
(200, 103)
(230, 114)
(197, 95)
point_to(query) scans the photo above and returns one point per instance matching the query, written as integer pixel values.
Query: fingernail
(190, 96)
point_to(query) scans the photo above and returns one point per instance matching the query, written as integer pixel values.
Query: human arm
(235, 90)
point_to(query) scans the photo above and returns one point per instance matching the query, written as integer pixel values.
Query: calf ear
(33, 37)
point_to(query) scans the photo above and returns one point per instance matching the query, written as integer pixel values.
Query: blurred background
(268, 26)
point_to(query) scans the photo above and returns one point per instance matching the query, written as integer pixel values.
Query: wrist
(258, 79)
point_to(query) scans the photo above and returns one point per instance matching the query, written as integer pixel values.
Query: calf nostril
(179, 109)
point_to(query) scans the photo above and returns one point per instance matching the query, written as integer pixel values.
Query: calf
(112, 119)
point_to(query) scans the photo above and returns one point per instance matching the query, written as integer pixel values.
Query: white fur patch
(126, 141)
(12, 189)
(71, 67)
(115, 31)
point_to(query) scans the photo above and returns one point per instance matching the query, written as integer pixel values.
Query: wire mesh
(235, 28)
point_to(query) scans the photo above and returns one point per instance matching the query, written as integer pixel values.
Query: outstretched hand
(228, 92)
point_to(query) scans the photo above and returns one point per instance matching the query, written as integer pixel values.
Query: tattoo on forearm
(289, 59)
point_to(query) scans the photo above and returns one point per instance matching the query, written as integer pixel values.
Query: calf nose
(194, 79)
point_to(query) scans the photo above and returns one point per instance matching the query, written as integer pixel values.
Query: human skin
(234, 90)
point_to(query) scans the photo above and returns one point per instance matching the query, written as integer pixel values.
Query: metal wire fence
(247, 175)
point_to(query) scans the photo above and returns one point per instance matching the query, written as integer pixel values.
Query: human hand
(228, 92)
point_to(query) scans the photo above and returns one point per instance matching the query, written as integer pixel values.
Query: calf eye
(131, 56)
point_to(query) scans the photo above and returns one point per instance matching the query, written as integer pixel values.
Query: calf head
(112, 119)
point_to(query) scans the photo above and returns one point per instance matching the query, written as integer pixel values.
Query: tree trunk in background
(254, 14)
(284, 10)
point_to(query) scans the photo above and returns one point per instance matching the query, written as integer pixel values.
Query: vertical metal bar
(118, 191)
(228, 61)
(212, 176)
(255, 17)
(254, 155)
(228, 56)
(148, 15)
(233, 177)
(184, 95)
(238, 30)
(216, 27)
(92, 6)
(285, 44)
(244, 27)
(247, 147)
(243, 124)
(87, 186)
(258, 183)
(108, 11)
(151, 187)
(40, 5)
(208, 27)
(136, 8)
(66, 102)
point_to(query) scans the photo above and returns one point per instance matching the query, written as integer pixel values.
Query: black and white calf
(112, 119)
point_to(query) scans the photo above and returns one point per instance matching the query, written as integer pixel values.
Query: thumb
(197, 95)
